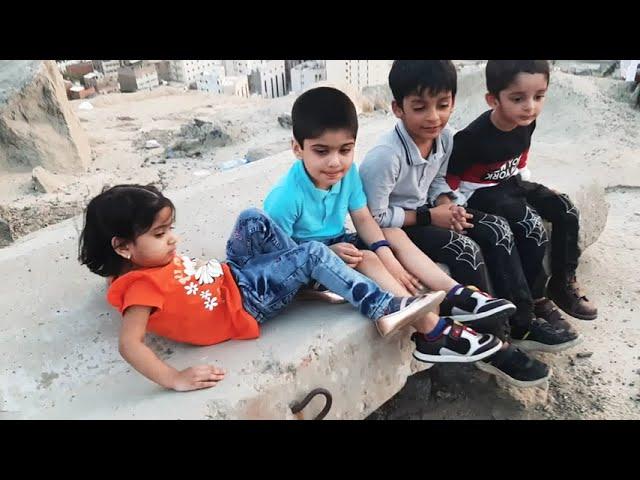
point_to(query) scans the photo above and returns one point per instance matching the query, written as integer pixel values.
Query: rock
(584, 354)
(37, 124)
(45, 181)
(152, 144)
(85, 106)
(5, 233)
(285, 121)
(258, 153)
(379, 96)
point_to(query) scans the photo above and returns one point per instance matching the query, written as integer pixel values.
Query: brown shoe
(549, 311)
(567, 295)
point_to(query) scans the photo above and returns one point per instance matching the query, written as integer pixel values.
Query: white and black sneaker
(317, 291)
(516, 367)
(466, 304)
(403, 311)
(456, 344)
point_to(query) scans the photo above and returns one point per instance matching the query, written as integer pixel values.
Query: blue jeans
(347, 237)
(270, 268)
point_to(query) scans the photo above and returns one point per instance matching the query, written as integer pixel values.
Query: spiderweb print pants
(488, 250)
(524, 205)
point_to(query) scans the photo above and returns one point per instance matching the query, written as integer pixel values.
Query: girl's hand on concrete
(195, 378)
(348, 253)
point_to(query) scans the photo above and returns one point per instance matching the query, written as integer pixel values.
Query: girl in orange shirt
(128, 236)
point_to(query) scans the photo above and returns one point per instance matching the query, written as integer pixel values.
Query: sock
(437, 330)
(453, 291)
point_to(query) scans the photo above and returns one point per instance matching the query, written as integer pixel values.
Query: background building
(306, 74)
(358, 73)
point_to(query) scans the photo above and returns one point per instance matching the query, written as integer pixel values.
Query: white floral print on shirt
(204, 273)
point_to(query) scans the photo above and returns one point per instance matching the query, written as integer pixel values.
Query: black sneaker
(469, 303)
(544, 337)
(317, 291)
(456, 344)
(549, 311)
(402, 311)
(516, 367)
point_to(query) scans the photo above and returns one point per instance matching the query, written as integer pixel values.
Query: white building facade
(358, 73)
(190, 71)
(212, 81)
(307, 74)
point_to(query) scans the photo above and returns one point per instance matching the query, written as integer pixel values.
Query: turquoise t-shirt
(306, 212)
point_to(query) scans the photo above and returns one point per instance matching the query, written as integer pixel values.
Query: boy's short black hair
(125, 211)
(321, 109)
(500, 73)
(413, 77)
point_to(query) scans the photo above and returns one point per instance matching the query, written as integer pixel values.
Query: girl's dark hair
(125, 211)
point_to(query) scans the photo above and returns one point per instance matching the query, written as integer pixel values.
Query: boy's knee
(252, 212)
(316, 248)
(370, 259)
(569, 211)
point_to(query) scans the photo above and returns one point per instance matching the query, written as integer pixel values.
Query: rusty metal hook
(297, 407)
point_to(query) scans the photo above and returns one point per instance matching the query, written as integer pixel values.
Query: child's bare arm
(143, 359)
(370, 232)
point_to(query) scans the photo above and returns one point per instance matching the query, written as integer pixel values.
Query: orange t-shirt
(193, 302)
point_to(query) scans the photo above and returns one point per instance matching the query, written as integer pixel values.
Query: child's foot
(547, 310)
(403, 311)
(465, 304)
(317, 291)
(516, 367)
(455, 344)
(544, 337)
(567, 295)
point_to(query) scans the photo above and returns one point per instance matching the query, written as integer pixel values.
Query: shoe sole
(500, 312)
(487, 367)
(426, 358)
(426, 304)
(579, 316)
(533, 346)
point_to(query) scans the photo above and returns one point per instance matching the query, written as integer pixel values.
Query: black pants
(523, 204)
(491, 239)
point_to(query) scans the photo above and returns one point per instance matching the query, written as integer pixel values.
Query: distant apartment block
(268, 78)
(190, 71)
(306, 74)
(236, 85)
(358, 73)
(288, 66)
(134, 78)
(108, 68)
(212, 81)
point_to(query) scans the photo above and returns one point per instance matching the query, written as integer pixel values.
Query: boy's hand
(195, 378)
(461, 218)
(442, 216)
(348, 252)
(408, 281)
(451, 217)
